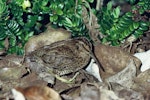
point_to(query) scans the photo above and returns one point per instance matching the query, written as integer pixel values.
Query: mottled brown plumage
(62, 57)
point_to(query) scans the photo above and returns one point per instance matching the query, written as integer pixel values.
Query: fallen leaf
(142, 83)
(93, 69)
(113, 59)
(145, 59)
(124, 77)
(35, 93)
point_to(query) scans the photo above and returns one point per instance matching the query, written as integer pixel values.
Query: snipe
(61, 57)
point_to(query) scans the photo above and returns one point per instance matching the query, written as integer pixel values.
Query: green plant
(117, 28)
(142, 6)
(17, 24)
(67, 14)
(20, 19)
(63, 13)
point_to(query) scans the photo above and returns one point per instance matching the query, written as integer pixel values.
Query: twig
(99, 4)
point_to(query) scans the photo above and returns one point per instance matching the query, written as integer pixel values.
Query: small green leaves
(53, 18)
(2, 35)
(2, 45)
(16, 49)
(3, 11)
(129, 14)
(13, 27)
(68, 15)
(20, 19)
(117, 28)
(142, 6)
(31, 20)
(2, 7)
(12, 40)
(131, 1)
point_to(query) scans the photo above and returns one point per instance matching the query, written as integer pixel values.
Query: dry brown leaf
(96, 92)
(113, 59)
(72, 89)
(124, 77)
(142, 83)
(30, 80)
(125, 93)
(10, 68)
(11, 72)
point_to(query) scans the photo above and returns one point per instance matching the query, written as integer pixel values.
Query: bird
(62, 57)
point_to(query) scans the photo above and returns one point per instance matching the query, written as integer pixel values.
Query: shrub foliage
(20, 19)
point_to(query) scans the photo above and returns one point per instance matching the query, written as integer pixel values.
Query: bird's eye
(77, 47)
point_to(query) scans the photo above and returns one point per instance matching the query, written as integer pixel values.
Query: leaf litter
(121, 79)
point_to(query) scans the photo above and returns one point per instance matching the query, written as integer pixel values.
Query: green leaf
(143, 28)
(131, 27)
(45, 10)
(16, 49)
(127, 19)
(53, 18)
(2, 7)
(141, 11)
(4, 12)
(104, 40)
(68, 22)
(31, 21)
(109, 5)
(114, 36)
(129, 14)
(53, 6)
(61, 5)
(40, 18)
(59, 12)
(136, 25)
(2, 44)
(116, 12)
(25, 4)
(13, 28)
(19, 32)
(2, 36)
(132, 1)
(20, 51)
(91, 1)
(28, 35)
(144, 24)
(141, 2)
(19, 2)
(12, 40)
(12, 50)
(125, 22)
(138, 32)
(115, 43)
(44, 2)
(126, 33)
